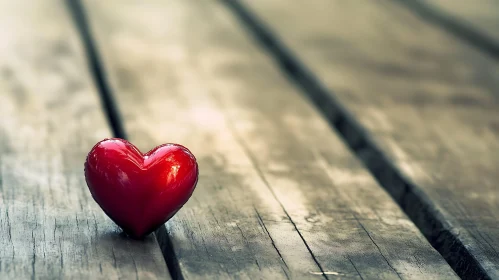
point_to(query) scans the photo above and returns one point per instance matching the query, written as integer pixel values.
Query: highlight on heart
(140, 192)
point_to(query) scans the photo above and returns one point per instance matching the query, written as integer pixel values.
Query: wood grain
(50, 117)
(279, 195)
(427, 101)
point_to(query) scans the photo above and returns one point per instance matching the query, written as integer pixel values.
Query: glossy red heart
(140, 192)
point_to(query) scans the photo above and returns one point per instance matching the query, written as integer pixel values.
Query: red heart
(140, 192)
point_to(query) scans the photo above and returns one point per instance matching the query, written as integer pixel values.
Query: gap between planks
(95, 66)
(417, 205)
(454, 25)
(78, 13)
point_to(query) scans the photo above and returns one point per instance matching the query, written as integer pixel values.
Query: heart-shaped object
(140, 192)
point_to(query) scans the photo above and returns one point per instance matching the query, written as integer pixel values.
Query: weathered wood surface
(427, 101)
(279, 195)
(50, 117)
(482, 15)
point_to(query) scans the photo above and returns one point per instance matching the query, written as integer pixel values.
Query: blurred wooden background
(336, 139)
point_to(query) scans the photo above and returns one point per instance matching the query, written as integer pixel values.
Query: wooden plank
(279, 195)
(50, 117)
(474, 22)
(482, 15)
(427, 105)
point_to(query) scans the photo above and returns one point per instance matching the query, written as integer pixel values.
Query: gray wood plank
(50, 117)
(428, 102)
(279, 195)
(482, 15)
